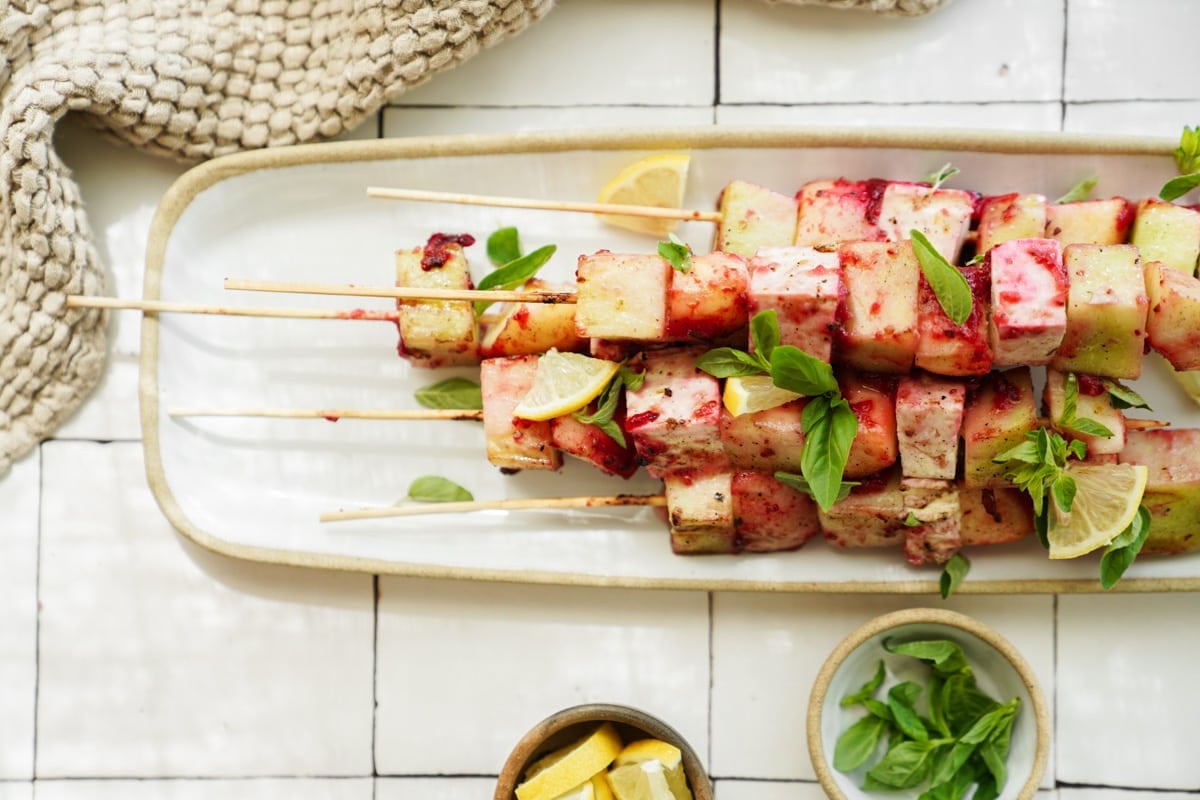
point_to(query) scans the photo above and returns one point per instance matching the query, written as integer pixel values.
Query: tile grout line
(711, 680)
(1062, 81)
(1054, 687)
(37, 612)
(716, 56)
(374, 683)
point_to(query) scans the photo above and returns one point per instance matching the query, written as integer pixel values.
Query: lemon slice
(569, 767)
(666, 754)
(1106, 500)
(751, 393)
(644, 781)
(585, 791)
(656, 180)
(564, 382)
(600, 788)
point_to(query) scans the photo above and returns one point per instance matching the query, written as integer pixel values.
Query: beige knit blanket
(190, 79)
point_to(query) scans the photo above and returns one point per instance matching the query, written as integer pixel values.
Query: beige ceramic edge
(199, 178)
(938, 616)
(534, 743)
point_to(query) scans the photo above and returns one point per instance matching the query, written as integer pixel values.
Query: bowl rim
(527, 748)
(939, 616)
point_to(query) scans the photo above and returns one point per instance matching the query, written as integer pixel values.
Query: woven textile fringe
(189, 79)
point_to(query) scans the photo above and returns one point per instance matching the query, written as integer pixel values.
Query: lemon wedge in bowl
(564, 382)
(646, 780)
(567, 768)
(1107, 497)
(658, 180)
(750, 393)
(666, 754)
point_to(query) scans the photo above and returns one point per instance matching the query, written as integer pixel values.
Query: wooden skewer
(656, 212)
(160, 306)
(402, 293)
(522, 504)
(331, 414)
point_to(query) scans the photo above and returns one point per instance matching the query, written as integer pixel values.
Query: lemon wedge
(1106, 500)
(656, 180)
(564, 382)
(600, 788)
(569, 767)
(666, 754)
(584, 791)
(643, 781)
(750, 393)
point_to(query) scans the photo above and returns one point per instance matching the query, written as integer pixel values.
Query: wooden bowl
(999, 670)
(565, 726)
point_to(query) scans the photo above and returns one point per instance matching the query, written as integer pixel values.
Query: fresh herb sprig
(1121, 396)
(451, 393)
(943, 174)
(963, 739)
(828, 423)
(1187, 158)
(677, 253)
(436, 489)
(606, 406)
(512, 269)
(953, 573)
(948, 284)
(1080, 191)
(1068, 419)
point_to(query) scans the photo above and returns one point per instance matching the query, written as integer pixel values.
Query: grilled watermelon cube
(766, 441)
(1106, 311)
(801, 285)
(944, 348)
(1011, 216)
(934, 505)
(513, 444)
(1029, 301)
(1090, 221)
(1092, 403)
(436, 333)
(532, 328)
(871, 516)
(622, 296)
(994, 516)
(708, 301)
(1172, 493)
(832, 212)
(943, 215)
(879, 310)
(770, 516)
(700, 511)
(1173, 324)
(929, 416)
(589, 443)
(753, 216)
(873, 402)
(674, 418)
(997, 416)
(1168, 233)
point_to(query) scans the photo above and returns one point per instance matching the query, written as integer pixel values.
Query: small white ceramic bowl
(999, 670)
(564, 726)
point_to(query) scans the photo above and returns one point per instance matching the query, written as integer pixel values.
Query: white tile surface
(971, 52)
(13, 790)
(195, 665)
(405, 121)
(1044, 116)
(18, 618)
(1121, 658)
(609, 52)
(767, 651)
(760, 790)
(1141, 119)
(471, 667)
(1130, 51)
(249, 789)
(434, 788)
(1120, 794)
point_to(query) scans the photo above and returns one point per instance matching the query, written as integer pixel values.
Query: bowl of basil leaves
(927, 703)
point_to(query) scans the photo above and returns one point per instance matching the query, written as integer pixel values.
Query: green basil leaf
(1070, 400)
(677, 254)
(902, 700)
(906, 764)
(1121, 396)
(436, 489)
(764, 332)
(953, 572)
(956, 787)
(1025, 451)
(797, 371)
(1063, 492)
(1089, 427)
(829, 430)
(868, 689)
(1041, 522)
(911, 521)
(943, 174)
(878, 709)
(1187, 155)
(1178, 187)
(503, 246)
(726, 362)
(978, 258)
(994, 761)
(964, 702)
(798, 483)
(514, 273)
(1120, 554)
(948, 284)
(944, 656)
(1080, 191)
(857, 743)
(451, 393)
(632, 380)
(612, 430)
(1077, 448)
(937, 711)
(986, 789)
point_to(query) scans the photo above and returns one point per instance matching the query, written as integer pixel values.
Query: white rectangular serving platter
(253, 487)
